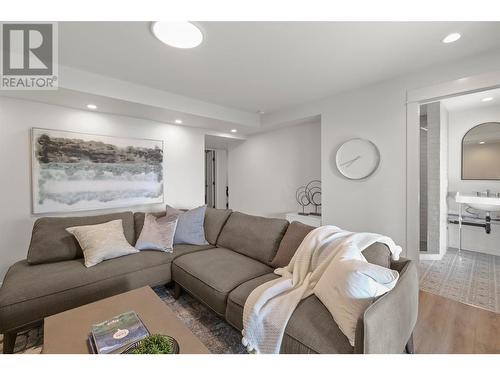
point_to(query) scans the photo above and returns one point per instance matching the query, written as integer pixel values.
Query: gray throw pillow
(190, 229)
(157, 233)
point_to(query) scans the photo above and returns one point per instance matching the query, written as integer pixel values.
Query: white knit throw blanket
(269, 307)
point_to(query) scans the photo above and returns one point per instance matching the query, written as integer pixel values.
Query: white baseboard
(424, 256)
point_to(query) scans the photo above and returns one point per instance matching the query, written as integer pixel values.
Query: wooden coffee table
(67, 332)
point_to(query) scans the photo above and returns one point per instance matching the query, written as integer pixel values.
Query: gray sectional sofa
(238, 258)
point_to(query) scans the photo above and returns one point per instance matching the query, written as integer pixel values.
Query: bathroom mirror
(481, 152)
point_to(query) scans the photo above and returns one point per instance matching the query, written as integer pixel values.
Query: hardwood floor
(444, 326)
(448, 326)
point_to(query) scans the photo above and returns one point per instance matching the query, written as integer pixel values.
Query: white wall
(183, 165)
(376, 112)
(266, 169)
(460, 122)
(264, 185)
(376, 204)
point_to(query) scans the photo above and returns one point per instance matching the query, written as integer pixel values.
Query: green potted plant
(155, 344)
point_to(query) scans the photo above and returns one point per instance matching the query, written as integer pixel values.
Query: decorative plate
(357, 158)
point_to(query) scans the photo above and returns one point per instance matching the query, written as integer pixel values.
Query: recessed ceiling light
(91, 106)
(178, 121)
(487, 99)
(450, 38)
(482, 142)
(177, 34)
(233, 130)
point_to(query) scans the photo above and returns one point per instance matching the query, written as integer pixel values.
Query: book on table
(117, 334)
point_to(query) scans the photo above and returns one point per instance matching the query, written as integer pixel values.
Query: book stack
(117, 334)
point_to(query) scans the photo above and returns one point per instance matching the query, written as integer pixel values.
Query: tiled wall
(434, 179)
(423, 182)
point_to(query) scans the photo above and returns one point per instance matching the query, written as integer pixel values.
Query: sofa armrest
(388, 323)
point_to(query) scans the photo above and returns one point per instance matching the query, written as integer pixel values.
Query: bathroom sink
(479, 203)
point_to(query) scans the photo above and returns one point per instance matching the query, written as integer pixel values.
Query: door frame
(214, 177)
(414, 99)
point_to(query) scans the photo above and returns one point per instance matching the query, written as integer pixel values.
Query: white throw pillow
(157, 233)
(351, 286)
(102, 241)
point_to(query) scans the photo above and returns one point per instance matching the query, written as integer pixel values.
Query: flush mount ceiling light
(233, 130)
(178, 121)
(177, 34)
(482, 142)
(91, 106)
(488, 99)
(450, 38)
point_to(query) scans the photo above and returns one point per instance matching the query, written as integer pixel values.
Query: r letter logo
(29, 56)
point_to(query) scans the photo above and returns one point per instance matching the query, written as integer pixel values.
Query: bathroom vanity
(486, 202)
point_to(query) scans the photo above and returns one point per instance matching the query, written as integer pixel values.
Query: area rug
(469, 277)
(217, 335)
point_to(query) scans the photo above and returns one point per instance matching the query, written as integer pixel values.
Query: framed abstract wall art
(75, 171)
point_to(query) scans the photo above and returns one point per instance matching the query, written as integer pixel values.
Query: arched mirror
(481, 152)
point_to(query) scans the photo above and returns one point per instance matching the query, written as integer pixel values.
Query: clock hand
(350, 162)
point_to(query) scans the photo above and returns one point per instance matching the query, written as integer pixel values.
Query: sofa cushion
(100, 242)
(378, 254)
(184, 249)
(211, 274)
(157, 233)
(237, 298)
(50, 242)
(311, 329)
(349, 286)
(32, 292)
(294, 235)
(254, 236)
(139, 221)
(214, 221)
(190, 225)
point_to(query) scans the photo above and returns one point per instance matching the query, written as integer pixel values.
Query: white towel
(269, 307)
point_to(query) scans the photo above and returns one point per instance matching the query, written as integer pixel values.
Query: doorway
(216, 172)
(456, 241)
(210, 179)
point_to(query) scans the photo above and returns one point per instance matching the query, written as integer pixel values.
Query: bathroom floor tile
(469, 277)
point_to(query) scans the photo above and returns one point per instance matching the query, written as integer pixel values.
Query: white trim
(424, 256)
(96, 84)
(412, 237)
(414, 99)
(454, 88)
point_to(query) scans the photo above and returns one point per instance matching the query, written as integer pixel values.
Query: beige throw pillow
(349, 286)
(157, 233)
(102, 241)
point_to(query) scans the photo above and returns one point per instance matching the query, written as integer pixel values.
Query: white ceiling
(472, 101)
(79, 100)
(219, 142)
(269, 65)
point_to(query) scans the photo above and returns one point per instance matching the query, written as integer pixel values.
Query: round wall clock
(357, 158)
